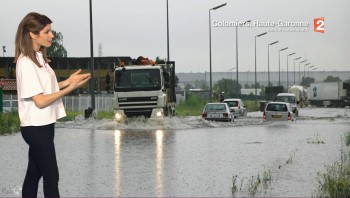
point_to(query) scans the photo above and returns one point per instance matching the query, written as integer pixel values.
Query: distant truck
(333, 94)
(300, 94)
(144, 90)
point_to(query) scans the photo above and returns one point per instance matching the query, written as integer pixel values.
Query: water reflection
(159, 162)
(128, 143)
(117, 151)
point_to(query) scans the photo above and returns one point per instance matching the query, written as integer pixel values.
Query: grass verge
(194, 105)
(98, 116)
(335, 181)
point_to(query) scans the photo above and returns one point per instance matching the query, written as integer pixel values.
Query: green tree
(201, 84)
(252, 86)
(228, 86)
(332, 79)
(306, 81)
(57, 49)
(262, 92)
(176, 81)
(188, 86)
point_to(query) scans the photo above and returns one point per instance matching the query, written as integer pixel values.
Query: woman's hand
(76, 76)
(77, 80)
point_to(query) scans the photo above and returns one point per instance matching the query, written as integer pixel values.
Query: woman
(39, 102)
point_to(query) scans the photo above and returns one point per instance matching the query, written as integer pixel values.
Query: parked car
(237, 106)
(290, 98)
(217, 112)
(278, 111)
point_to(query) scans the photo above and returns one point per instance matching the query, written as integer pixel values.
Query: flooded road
(185, 157)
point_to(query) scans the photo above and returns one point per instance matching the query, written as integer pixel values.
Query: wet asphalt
(184, 162)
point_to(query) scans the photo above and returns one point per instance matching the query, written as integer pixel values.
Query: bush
(9, 122)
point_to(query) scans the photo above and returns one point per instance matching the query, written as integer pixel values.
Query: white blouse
(31, 81)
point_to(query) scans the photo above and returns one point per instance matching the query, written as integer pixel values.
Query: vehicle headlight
(159, 114)
(118, 116)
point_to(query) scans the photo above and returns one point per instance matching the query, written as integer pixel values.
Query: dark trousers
(42, 161)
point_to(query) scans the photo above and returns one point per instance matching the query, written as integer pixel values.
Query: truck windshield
(289, 99)
(137, 80)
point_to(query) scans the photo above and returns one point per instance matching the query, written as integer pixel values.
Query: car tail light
(204, 115)
(264, 116)
(239, 107)
(226, 115)
(289, 116)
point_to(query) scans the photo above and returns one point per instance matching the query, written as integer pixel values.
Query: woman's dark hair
(34, 23)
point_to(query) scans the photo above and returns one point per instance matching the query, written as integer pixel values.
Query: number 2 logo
(319, 25)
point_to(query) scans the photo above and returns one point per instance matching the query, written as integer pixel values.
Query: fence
(103, 102)
(71, 103)
(9, 102)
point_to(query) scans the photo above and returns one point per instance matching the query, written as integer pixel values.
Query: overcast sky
(138, 28)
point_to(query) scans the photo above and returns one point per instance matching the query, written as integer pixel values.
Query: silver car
(278, 111)
(237, 107)
(217, 112)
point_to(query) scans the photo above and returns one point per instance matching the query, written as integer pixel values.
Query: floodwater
(186, 157)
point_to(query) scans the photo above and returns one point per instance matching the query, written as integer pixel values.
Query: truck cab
(141, 90)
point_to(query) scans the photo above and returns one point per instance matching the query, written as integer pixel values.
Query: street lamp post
(237, 55)
(92, 81)
(294, 67)
(7, 69)
(210, 75)
(256, 91)
(304, 68)
(308, 70)
(167, 25)
(279, 65)
(314, 68)
(299, 69)
(268, 61)
(231, 70)
(288, 68)
(247, 76)
(3, 51)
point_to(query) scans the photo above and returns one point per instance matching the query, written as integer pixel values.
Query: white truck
(144, 90)
(300, 94)
(333, 94)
